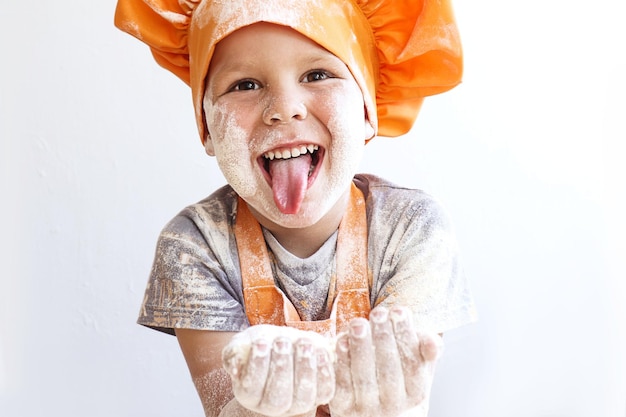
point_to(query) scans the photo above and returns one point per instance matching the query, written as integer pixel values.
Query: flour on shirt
(304, 281)
(413, 261)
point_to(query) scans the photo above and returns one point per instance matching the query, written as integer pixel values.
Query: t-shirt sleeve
(189, 284)
(422, 267)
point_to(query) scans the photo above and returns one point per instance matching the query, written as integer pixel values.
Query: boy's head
(398, 51)
(273, 79)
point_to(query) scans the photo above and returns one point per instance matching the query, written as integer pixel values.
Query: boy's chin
(268, 214)
(313, 209)
(302, 219)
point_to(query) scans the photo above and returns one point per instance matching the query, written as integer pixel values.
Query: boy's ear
(369, 129)
(208, 146)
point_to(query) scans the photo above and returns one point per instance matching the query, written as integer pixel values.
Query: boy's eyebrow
(314, 60)
(233, 66)
(329, 59)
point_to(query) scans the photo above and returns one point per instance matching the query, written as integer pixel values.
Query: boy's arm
(202, 350)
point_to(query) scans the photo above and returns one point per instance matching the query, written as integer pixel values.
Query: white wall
(98, 150)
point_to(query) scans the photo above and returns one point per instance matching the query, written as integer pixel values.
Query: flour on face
(293, 162)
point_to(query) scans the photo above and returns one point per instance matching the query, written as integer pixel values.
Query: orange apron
(267, 304)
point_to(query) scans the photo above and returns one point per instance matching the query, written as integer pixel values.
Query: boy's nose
(283, 108)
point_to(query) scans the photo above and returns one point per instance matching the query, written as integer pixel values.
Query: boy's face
(273, 94)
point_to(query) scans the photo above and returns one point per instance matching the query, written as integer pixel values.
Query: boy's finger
(431, 346)
(363, 365)
(325, 376)
(343, 399)
(409, 351)
(305, 377)
(388, 363)
(278, 395)
(418, 353)
(249, 387)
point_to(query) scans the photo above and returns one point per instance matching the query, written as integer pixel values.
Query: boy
(276, 273)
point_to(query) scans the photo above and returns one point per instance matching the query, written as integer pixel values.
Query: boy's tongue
(289, 182)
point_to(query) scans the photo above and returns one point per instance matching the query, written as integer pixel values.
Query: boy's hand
(280, 371)
(384, 367)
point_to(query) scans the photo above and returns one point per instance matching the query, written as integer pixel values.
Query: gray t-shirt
(195, 282)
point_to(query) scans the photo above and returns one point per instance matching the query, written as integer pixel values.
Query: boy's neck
(304, 242)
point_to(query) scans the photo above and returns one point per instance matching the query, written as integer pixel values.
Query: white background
(98, 149)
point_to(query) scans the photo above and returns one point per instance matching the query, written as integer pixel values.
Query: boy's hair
(398, 51)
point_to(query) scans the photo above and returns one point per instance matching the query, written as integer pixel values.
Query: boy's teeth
(290, 153)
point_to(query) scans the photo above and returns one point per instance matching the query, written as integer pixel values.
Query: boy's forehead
(250, 32)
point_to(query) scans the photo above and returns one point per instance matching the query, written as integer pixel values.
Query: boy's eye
(245, 85)
(317, 75)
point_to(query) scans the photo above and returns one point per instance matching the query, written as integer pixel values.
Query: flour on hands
(280, 371)
(378, 368)
(384, 367)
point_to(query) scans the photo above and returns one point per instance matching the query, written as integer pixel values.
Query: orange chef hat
(398, 51)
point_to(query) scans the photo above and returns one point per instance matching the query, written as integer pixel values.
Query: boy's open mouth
(290, 172)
